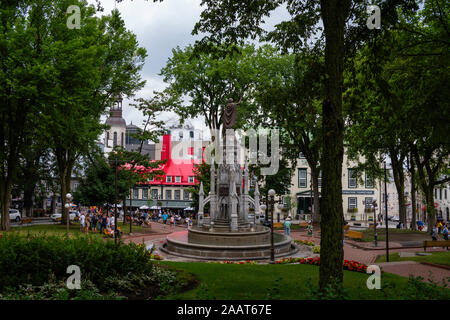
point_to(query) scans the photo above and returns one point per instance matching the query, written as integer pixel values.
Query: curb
(436, 265)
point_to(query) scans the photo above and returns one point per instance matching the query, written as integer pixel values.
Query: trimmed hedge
(35, 259)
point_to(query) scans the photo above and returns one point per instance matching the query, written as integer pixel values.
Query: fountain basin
(211, 245)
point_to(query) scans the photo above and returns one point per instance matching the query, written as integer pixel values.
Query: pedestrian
(103, 223)
(86, 228)
(112, 221)
(82, 222)
(445, 232)
(310, 228)
(94, 222)
(165, 216)
(439, 226)
(434, 233)
(287, 226)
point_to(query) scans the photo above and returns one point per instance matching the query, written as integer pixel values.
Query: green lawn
(394, 234)
(284, 281)
(436, 257)
(74, 229)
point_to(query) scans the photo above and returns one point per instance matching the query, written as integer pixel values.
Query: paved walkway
(353, 250)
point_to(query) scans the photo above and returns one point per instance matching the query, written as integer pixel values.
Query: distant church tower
(117, 133)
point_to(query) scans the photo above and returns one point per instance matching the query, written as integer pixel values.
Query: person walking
(287, 226)
(164, 216)
(94, 222)
(445, 232)
(82, 222)
(434, 233)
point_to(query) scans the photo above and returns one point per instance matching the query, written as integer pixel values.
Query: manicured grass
(436, 257)
(393, 234)
(74, 230)
(286, 282)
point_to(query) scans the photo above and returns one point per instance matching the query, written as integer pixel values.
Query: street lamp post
(115, 201)
(375, 235)
(272, 248)
(386, 210)
(67, 206)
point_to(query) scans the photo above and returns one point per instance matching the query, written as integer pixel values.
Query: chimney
(166, 151)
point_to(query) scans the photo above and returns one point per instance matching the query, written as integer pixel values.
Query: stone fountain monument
(228, 233)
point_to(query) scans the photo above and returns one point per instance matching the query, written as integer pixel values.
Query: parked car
(14, 215)
(72, 215)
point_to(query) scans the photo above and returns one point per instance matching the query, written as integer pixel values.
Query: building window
(191, 179)
(177, 195)
(135, 193)
(369, 181)
(368, 202)
(145, 193)
(154, 193)
(168, 194)
(352, 179)
(75, 186)
(352, 203)
(181, 135)
(435, 194)
(151, 179)
(440, 194)
(178, 179)
(191, 134)
(107, 139)
(115, 139)
(445, 194)
(169, 179)
(185, 194)
(302, 178)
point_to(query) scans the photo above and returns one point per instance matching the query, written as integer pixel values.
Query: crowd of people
(440, 228)
(95, 220)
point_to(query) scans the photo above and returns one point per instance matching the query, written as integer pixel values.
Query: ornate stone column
(201, 195)
(212, 194)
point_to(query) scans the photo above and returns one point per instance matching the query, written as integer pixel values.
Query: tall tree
(20, 74)
(92, 65)
(289, 92)
(207, 80)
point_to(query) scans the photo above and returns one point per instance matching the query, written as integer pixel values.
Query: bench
(303, 224)
(25, 220)
(442, 243)
(354, 234)
(277, 225)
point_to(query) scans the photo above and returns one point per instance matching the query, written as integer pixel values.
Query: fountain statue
(228, 233)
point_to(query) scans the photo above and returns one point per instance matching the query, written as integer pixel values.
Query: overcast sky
(159, 28)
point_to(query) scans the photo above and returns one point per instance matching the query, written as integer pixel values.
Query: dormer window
(178, 179)
(169, 179)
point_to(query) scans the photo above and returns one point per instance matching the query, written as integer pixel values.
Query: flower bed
(235, 262)
(306, 242)
(349, 265)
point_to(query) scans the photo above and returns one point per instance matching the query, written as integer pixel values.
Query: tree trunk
(429, 198)
(334, 14)
(315, 184)
(64, 211)
(124, 208)
(411, 168)
(5, 195)
(397, 160)
(28, 201)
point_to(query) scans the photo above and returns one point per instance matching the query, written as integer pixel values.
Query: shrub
(36, 260)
